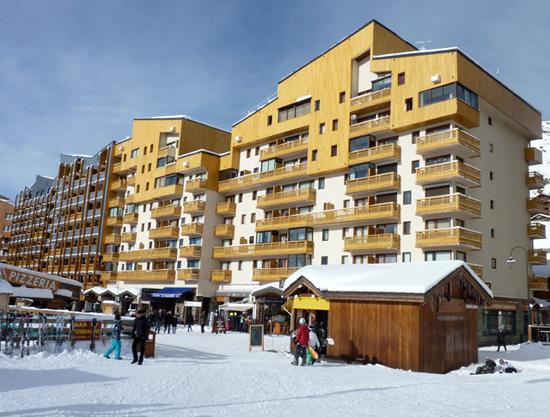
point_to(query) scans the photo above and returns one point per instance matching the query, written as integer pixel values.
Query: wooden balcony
(449, 171)
(128, 237)
(287, 198)
(166, 232)
(369, 126)
(387, 242)
(263, 249)
(533, 156)
(195, 206)
(174, 190)
(452, 237)
(478, 269)
(168, 254)
(372, 100)
(131, 218)
(107, 257)
(166, 212)
(113, 238)
(226, 208)
(190, 229)
(374, 184)
(188, 273)
(224, 231)
(534, 180)
(220, 275)
(152, 275)
(539, 284)
(377, 154)
(284, 149)
(114, 221)
(536, 205)
(455, 141)
(360, 214)
(118, 184)
(271, 274)
(536, 231)
(190, 251)
(196, 185)
(448, 204)
(259, 179)
(131, 181)
(108, 276)
(116, 202)
(537, 257)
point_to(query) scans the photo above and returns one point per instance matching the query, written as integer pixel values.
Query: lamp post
(511, 261)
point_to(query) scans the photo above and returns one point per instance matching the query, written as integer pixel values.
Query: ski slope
(198, 374)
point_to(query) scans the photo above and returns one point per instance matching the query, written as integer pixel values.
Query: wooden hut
(420, 316)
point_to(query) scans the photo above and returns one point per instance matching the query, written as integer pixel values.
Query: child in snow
(115, 340)
(504, 366)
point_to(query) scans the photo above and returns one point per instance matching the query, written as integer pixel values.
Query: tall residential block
(6, 220)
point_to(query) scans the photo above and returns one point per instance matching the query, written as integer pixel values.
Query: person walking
(158, 322)
(174, 323)
(189, 322)
(203, 320)
(140, 332)
(302, 342)
(314, 344)
(167, 321)
(501, 339)
(115, 339)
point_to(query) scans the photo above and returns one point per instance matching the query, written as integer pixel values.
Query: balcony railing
(453, 203)
(190, 251)
(226, 208)
(173, 190)
(537, 257)
(196, 185)
(286, 148)
(536, 231)
(264, 249)
(536, 206)
(118, 184)
(372, 98)
(449, 237)
(455, 140)
(116, 202)
(369, 126)
(375, 154)
(112, 238)
(386, 242)
(534, 180)
(449, 171)
(539, 284)
(374, 183)
(271, 274)
(107, 257)
(374, 212)
(131, 218)
(128, 237)
(533, 156)
(226, 231)
(478, 269)
(114, 221)
(299, 195)
(192, 229)
(263, 177)
(149, 254)
(188, 273)
(220, 275)
(167, 211)
(166, 232)
(195, 206)
(152, 275)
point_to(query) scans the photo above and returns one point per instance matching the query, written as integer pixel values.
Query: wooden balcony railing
(118, 184)
(375, 154)
(271, 274)
(372, 98)
(107, 257)
(152, 275)
(220, 275)
(452, 203)
(536, 231)
(128, 237)
(537, 257)
(195, 185)
(369, 126)
(226, 231)
(534, 180)
(539, 284)
(149, 254)
(195, 206)
(116, 202)
(166, 232)
(286, 148)
(263, 177)
(381, 242)
(114, 221)
(533, 156)
(190, 251)
(263, 249)
(299, 195)
(131, 218)
(374, 183)
(112, 238)
(167, 211)
(226, 208)
(536, 205)
(188, 273)
(449, 171)
(449, 237)
(192, 229)
(456, 139)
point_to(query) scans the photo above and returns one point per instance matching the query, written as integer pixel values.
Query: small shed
(420, 316)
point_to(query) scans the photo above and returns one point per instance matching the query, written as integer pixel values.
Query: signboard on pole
(256, 336)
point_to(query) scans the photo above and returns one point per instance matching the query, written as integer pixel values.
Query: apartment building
(6, 220)
(375, 151)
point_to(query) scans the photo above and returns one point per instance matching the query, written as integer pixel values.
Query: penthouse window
(449, 92)
(294, 110)
(168, 180)
(381, 83)
(165, 161)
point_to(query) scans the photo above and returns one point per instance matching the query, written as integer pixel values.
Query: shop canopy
(237, 307)
(171, 292)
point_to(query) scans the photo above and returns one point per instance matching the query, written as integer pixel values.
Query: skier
(155, 320)
(302, 341)
(140, 333)
(174, 324)
(167, 321)
(115, 339)
(501, 339)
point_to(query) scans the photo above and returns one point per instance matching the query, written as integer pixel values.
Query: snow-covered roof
(235, 289)
(402, 278)
(113, 290)
(5, 287)
(64, 293)
(25, 292)
(267, 288)
(236, 306)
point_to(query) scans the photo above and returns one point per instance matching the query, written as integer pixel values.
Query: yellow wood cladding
(374, 183)
(374, 212)
(375, 154)
(533, 156)
(192, 229)
(116, 202)
(226, 208)
(196, 185)
(118, 184)
(536, 231)
(369, 126)
(112, 238)
(448, 171)
(283, 149)
(299, 195)
(131, 218)
(114, 221)
(195, 206)
(190, 251)
(538, 284)
(111, 257)
(450, 139)
(271, 274)
(537, 257)
(452, 236)
(453, 203)
(374, 99)
(188, 273)
(478, 269)
(167, 211)
(220, 275)
(534, 180)
(166, 232)
(380, 242)
(151, 275)
(263, 249)
(149, 254)
(131, 180)
(536, 206)
(263, 177)
(224, 231)
(128, 237)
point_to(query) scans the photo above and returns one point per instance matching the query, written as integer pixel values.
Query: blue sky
(73, 74)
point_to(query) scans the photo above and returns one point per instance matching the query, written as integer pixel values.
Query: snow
(408, 277)
(5, 287)
(198, 374)
(26, 292)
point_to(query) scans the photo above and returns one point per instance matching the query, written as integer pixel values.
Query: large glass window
(165, 161)
(448, 92)
(360, 143)
(299, 261)
(493, 319)
(268, 165)
(264, 237)
(302, 233)
(294, 110)
(360, 171)
(442, 255)
(381, 83)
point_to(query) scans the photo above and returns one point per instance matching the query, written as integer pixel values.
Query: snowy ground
(198, 374)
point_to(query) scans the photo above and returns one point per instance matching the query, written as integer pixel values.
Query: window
(294, 110)
(408, 104)
(240, 266)
(437, 256)
(322, 128)
(151, 148)
(299, 261)
(165, 161)
(381, 83)
(401, 78)
(461, 256)
(406, 228)
(415, 136)
(494, 263)
(334, 150)
(414, 165)
(491, 175)
(146, 186)
(344, 259)
(252, 217)
(248, 151)
(269, 120)
(342, 97)
(314, 155)
(321, 183)
(491, 148)
(149, 167)
(145, 150)
(250, 240)
(492, 203)
(254, 195)
(490, 120)
(324, 260)
(492, 233)
(243, 218)
(325, 235)
(406, 257)
(257, 150)
(240, 197)
(493, 319)
(407, 197)
(301, 233)
(134, 153)
(335, 124)
(448, 92)
(362, 142)
(460, 190)
(317, 105)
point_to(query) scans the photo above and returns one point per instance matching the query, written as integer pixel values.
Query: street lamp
(511, 261)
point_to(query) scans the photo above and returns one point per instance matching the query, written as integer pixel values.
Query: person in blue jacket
(115, 341)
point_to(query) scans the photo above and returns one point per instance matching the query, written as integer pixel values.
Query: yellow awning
(308, 303)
